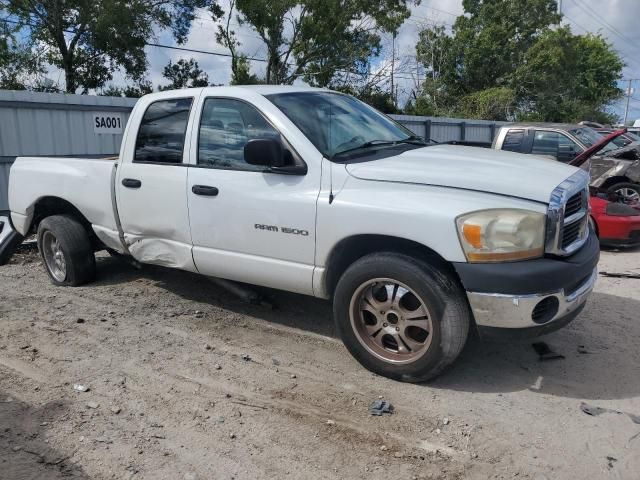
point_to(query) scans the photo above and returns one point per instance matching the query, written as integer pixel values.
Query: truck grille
(574, 204)
(568, 215)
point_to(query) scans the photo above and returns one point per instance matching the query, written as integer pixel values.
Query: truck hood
(469, 168)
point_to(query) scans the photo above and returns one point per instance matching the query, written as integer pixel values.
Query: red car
(616, 220)
(617, 224)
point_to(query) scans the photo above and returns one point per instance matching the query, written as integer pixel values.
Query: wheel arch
(609, 182)
(51, 205)
(354, 247)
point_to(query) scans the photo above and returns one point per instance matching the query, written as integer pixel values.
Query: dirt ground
(188, 382)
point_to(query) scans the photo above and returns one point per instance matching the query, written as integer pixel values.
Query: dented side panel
(154, 217)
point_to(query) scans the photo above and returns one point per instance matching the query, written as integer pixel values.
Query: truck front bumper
(530, 298)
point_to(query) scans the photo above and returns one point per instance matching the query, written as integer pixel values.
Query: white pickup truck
(312, 191)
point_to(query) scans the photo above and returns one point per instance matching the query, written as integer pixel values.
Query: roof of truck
(271, 89)
(556, 126)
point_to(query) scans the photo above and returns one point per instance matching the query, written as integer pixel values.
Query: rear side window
(551, 143)
(162, 131)
(513, 141)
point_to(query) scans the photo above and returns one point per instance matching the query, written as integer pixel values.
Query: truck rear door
(248, 224)
(151, 182)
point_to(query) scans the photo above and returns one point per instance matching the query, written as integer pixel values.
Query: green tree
(312, 39)
(566, 77)
(241, 72)
(136, 90)
(184, 74)
(372, 95)
(18, 62)
(495, 103)
(89, 40)
(507, 59)
(491, 39)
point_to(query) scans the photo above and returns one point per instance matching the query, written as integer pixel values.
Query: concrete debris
(595, 411)
(445, 421)
(80, 388)
(545, 353)
(621, 275)
(378, 407)
(116, 410)
(93, 405)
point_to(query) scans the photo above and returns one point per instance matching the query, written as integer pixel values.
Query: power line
(601, 20)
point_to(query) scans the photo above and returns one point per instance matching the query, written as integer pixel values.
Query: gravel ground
(187, 382)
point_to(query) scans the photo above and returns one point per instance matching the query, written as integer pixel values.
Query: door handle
(131, 183)
(204, 190)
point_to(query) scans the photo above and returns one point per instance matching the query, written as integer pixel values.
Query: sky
(616, 20)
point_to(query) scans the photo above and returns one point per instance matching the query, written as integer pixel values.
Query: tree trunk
(69, 74)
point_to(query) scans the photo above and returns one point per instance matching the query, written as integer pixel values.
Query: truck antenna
(331, 196)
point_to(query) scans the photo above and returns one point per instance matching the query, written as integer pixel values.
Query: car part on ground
(9, 238)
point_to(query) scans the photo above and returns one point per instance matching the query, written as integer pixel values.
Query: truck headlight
(501, 235)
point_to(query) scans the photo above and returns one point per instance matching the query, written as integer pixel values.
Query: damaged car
(613, 169)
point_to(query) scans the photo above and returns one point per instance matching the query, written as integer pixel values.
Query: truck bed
(83, 182)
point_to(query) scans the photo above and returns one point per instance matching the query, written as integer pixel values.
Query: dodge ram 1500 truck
(312, 191)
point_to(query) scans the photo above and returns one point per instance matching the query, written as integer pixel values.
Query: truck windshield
(338, 124)
(589, 137)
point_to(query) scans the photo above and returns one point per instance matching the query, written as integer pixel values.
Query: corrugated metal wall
(34, 123)
(443, 129)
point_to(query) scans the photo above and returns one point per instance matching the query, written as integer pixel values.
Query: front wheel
(65, 248)
(401, 317)
(627, 192)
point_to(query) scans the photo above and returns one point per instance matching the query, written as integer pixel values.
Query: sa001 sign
(110, 123)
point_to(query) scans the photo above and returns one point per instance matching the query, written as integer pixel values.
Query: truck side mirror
(264, 151)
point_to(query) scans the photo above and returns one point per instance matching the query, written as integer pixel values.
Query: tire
(425, 350)
(66, 251)
(626, 190)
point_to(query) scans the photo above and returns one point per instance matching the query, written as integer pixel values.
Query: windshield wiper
(414, 140)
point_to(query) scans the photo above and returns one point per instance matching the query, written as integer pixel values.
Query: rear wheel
(65, 248)
(627, 192)
(401, 317)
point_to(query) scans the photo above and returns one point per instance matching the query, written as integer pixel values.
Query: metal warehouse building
(33, 123)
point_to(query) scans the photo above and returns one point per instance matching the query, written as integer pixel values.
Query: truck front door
(151, 183)
(248, 224)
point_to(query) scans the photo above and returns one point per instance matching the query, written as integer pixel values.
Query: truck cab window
(162, 131)
(554, 144)
(225, 128)
(513, 140)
